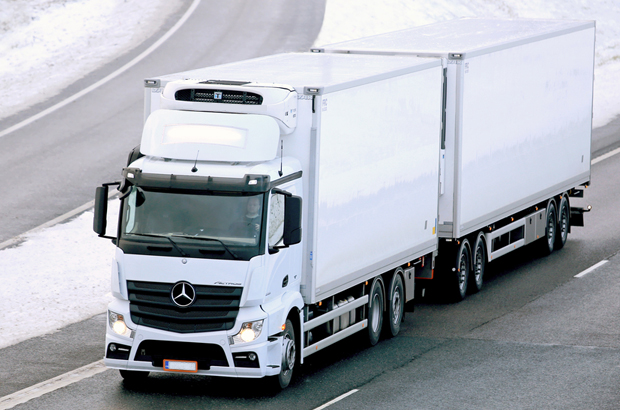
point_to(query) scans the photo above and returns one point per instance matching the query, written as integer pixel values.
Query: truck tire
(563, 222)
(548, 243)
(132, 376)
(479, 263)
(375, 311)
(396, 305)
(460, 272)
(289, 357)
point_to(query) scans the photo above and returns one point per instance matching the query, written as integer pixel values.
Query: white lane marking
(38, 390)
(115, 74)
(591, 268)
(337, 399)
(605, 156)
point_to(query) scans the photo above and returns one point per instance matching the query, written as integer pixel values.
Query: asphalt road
(534, 338)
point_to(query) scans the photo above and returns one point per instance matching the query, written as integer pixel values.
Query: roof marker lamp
(249, 332)
(118, 325)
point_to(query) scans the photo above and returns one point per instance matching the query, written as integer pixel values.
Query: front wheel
(133, 376)
(289, 357)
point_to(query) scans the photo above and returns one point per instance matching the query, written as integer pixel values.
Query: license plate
(180, 366)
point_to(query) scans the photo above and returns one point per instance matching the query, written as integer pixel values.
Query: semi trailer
(278, 205)
(516, 134)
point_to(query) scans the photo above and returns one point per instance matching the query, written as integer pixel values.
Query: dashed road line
(591, 268)
(337, 399)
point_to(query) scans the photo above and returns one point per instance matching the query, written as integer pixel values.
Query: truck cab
(207, 242)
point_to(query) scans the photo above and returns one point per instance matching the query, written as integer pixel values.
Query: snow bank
(46, 45)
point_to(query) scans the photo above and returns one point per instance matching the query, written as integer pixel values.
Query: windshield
(193, 224)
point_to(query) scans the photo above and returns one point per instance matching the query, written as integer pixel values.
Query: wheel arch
(285, 307)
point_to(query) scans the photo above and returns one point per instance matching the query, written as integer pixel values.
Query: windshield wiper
(152, 235)
(202, 238)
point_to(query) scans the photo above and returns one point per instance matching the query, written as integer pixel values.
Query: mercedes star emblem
(183, 294)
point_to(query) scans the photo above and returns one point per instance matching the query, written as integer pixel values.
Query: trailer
(278, 205)
(516, 133)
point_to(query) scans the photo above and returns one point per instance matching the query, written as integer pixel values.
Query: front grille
(156, 351)
(219, 96)
(215, 308)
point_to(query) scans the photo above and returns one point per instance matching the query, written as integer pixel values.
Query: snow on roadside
(46, 45)
(58, 276)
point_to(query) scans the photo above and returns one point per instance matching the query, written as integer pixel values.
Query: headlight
(249, 332)
(117, 323)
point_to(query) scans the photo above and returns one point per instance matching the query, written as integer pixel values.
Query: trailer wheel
(289, 357)
(563, 223)
(375, 312)
(461, 271)
(548, 244)
(479, 264)
(396, 304)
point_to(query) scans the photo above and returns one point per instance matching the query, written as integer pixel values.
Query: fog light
(252, 356)
(118, 351)
(249, 332)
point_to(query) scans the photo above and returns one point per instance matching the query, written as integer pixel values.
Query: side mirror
(100, 220)
(101, 210)
(292, 220)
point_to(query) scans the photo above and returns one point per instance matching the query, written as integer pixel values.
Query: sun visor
(210, 136)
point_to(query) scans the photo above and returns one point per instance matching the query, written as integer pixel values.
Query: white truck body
(365, 163)
(456, 142)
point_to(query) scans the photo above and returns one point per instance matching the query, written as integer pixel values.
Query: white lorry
(222, 269)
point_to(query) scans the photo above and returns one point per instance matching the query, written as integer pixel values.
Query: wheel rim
(478, 263)
(462, 270)
(396, 305)
(288, 357)
(375, 312)
(551, 229)
(564, 223)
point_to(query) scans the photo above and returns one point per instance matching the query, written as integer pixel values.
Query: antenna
(194, 169)
(281, 148)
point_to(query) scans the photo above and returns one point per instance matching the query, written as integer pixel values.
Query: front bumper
(148, 347)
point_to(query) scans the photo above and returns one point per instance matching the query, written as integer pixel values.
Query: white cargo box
(518, 111)
(367, 133)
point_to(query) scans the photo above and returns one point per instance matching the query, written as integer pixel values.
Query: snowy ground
(60, 40)
(56, 39)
